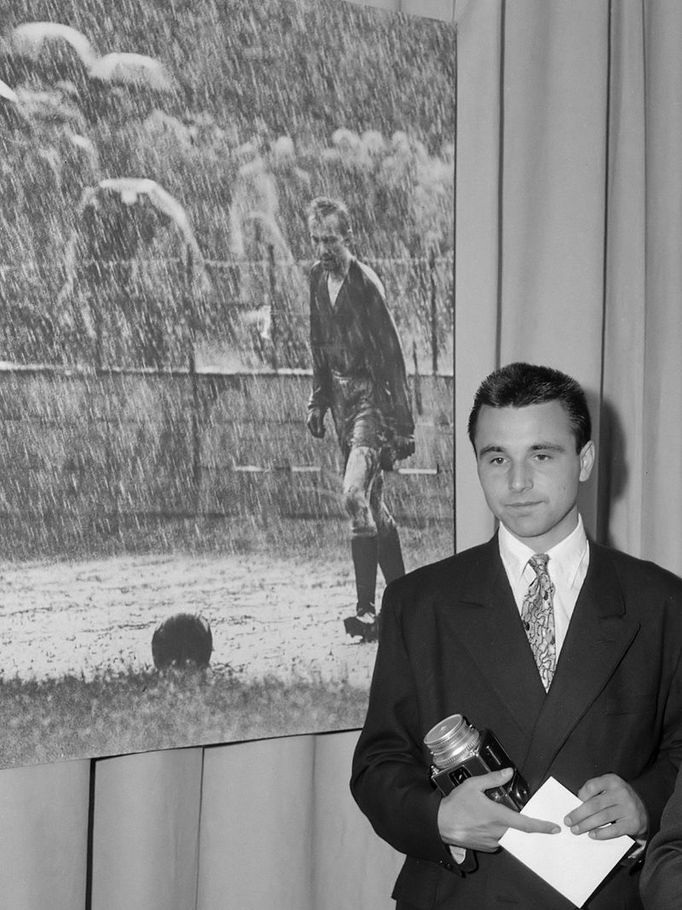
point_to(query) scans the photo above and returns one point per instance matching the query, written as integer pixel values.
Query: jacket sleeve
(655, 784)
(320, 397)
(390, 776)
(661, 882)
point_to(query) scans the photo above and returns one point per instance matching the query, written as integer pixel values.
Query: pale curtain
(568, 248)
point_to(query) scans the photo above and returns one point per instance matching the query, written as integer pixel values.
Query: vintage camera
(459, 751)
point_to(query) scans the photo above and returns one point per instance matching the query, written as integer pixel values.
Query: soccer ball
(183, 640)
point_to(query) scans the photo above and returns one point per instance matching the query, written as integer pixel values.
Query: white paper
(574, 864)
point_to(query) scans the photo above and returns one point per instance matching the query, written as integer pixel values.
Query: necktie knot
(539, 563)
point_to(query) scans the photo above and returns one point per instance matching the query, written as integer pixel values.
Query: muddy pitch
(268, 616)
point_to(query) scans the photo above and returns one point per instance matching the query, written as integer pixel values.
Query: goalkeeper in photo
(359, 375)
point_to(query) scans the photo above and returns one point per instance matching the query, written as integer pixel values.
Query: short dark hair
(322, 206)
(519, 384)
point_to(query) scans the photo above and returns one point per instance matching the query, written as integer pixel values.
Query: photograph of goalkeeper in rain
(175, 525)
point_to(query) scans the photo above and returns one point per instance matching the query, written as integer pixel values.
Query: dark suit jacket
(452, 642)
(661, 883)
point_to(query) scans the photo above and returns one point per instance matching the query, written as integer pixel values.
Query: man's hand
(315, 422)
(608, 801)
(469, 818)
(403, 446)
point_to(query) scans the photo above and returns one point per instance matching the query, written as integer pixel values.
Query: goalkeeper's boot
(365, 623)
(365, 562)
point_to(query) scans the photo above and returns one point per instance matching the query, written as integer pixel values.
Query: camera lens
(451, 740)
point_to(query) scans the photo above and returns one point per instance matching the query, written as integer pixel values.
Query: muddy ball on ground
(182, 640)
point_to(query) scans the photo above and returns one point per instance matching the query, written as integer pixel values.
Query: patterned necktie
(537, 614)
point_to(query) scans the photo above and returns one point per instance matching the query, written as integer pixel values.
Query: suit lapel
(598, 636)
(495, 638)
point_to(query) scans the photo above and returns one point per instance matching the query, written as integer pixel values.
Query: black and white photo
(179, 558)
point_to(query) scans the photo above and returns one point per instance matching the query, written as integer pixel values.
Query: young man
(358, 374)
(567, 651)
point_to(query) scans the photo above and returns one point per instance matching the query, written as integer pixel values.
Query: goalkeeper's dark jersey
(358, 363)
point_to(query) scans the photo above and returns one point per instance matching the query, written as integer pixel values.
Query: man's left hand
(610, 808)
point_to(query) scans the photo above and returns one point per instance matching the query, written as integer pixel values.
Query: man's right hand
(315, 422)
(468, 818)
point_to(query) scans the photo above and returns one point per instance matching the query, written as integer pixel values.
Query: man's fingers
(492, 779)
(611, 807)
(597, 820)
(588, 810)
(609, 831)
(534, 825)
(597, 785)
(516, 819)
(468, 818)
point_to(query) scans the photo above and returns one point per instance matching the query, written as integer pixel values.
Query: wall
(108, 460)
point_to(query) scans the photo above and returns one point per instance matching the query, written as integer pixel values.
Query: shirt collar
(566, 556)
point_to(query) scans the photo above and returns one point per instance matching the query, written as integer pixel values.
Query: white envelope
(573, 864)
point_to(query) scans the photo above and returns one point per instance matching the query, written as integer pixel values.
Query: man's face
(330, 245)
(530, 471)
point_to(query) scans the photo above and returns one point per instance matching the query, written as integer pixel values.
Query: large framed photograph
(227, 307)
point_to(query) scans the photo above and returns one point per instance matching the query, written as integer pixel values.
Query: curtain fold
(146, 831)
(279, 828)
(44, 836)
(351, 867)
(553, 192)
(568, 232)
(662, 462)
(256, 826)
(621, 442)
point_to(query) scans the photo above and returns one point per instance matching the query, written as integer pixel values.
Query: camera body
(460, 751)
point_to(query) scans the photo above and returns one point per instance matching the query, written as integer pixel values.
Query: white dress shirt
(567, 567)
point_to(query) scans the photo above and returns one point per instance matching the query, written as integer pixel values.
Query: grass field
(77, 677)
(139, 711)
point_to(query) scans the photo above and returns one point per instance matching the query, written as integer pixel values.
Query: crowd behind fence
(153, 313)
